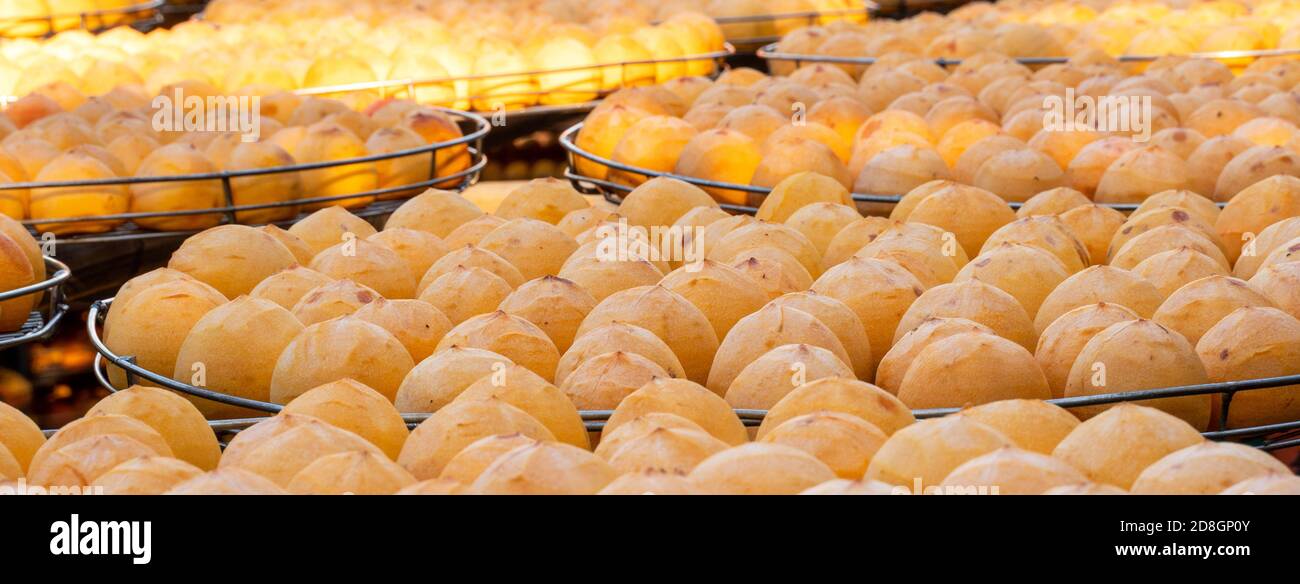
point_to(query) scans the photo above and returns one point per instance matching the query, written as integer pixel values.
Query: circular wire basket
(771, 52)
(614, 191)
(41, 322)
(472, 141)
(585, 98)
(142, 16)
(1266, 437)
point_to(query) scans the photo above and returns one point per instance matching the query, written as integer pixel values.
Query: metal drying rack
(40, 323)
(1266, 437)
(477, 128)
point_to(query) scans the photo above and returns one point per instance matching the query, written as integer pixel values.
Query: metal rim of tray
(41, 323)
(229, 211)
(1267, 437)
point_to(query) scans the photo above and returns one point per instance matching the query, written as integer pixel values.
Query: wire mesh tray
(574, 90)
(614, 192)
(41, 322)
(142, 16)
(1266, 437)
(471, 141)
(772, 53)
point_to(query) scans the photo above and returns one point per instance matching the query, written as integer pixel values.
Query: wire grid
(1266, 437)
(472, 142)
(143, 16)
(614, 191)
(40, 323)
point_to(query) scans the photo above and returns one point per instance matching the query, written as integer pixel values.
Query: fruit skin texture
(227, 481)
(286, 446)
(545, 469)
(337, 349)
(1115, 446)
(154, 323)
(98, 426)
(972, 369)
(1269, 484)
(357, 473)
(150, 475)
(930, 450)
(369, 264)
(668, 316)
(880, 292)
(1205, 469)
(1255, 208)
(1060, 344)
(765, 330)
(544, 199)
(438, 379)
(436, 211)
(177, 420)
(1099, 284)
(768, 378)
(1140, 354)
(1013, 471)
(449, 430)
(527, 391)
(1281, 284)
(231, 258)
(1195, 308)
(759, 469)
(1034, 425)
(350, 405)
(684, 398)
(470, 462)
(1252, 343)
(724, 294)
(894, 366)
(844, 442)
(172, 160)
(19, 435)
(16, 271)
(48, 203)
(976, 301)
(512, 337)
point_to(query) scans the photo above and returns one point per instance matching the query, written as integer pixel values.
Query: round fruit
(843, 442)
(684, 398)
(513, 337)
(837, 394)
(759, 469)
(527, 391)
(175, 419)
(438, 379)
(1117, 445)
(338, 349)
(449, 430)
(545, 469)
(1011, 471)
(352, 406)
(925, 452)
(1205, 468)
(1034, 425)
